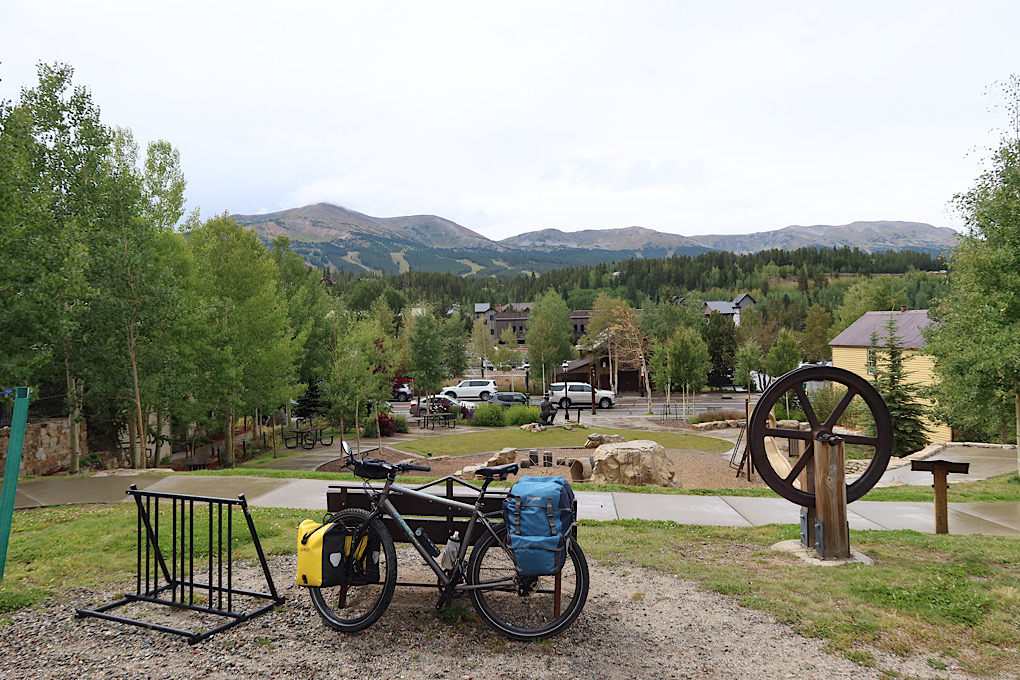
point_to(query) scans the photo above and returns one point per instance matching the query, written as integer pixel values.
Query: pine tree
(909, 432)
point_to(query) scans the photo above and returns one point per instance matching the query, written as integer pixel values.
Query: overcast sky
(506, 117)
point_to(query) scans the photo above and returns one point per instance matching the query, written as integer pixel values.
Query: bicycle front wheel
(525, 607)
(357, 606)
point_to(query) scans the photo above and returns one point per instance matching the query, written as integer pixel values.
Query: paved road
(634, 405)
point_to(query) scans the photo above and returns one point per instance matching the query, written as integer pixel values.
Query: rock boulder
(596, 440)
(507, 455)
(639, 462)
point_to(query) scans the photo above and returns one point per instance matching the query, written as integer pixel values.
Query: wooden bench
(429, 420)
(437, 520)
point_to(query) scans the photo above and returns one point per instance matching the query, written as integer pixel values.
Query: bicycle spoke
(533, 608)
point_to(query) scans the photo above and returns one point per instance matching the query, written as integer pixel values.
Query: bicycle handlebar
(374, 468)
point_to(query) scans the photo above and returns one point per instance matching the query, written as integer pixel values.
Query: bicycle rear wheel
(351, 608)
(525, 607)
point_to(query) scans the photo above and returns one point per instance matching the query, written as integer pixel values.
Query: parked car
(403, 392)
(523, 367)
(508, 399)
(579, 394)
(472, 389)
(438, 403)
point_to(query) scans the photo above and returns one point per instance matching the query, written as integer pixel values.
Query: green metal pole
(10, 486)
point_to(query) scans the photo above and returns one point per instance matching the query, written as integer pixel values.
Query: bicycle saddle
(500, 471)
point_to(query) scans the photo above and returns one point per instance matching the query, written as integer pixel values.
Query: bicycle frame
(383, 505)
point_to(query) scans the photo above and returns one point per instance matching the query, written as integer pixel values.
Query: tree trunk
(615, 369)
(73, 420)
(668, 391)
(357, 427)
(132, 427)
(227, 459)
(648, 385)
(158, 445)
(132, 355)
(272, 430)
(378, 428)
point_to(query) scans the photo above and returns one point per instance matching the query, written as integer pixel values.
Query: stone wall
(47, 447)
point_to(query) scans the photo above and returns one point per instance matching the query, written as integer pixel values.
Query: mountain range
(331, 235)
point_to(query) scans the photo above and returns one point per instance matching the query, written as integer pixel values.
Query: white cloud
(688, 117)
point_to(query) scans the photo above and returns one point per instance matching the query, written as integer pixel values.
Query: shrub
(400, 423)
(824, 399)
(386, 424)
(793, 413)
(489, 415)
(520, 414)
(94, 462)
(719, 414)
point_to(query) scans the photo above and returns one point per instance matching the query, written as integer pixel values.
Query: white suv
(472, 389)
(575, 393)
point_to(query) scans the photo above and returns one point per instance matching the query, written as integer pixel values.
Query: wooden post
(940, 469)
(830, 498)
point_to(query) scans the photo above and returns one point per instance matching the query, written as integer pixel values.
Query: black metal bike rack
(156, 578)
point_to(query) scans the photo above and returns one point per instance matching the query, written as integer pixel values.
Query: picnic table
(429, 420)
(307, 437)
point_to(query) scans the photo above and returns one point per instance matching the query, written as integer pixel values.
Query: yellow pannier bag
(322, 551)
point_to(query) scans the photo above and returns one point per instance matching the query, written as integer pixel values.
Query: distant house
(732, 309)
(487, 311)
(852, 351)
(515, 316)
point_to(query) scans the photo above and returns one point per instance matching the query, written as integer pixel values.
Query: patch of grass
(861, 657)
(1004, 488)
(55, 548)
(455, 613)
(948, 596)
(495, 440)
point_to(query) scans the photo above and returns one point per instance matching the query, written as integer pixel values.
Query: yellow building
(851, 350)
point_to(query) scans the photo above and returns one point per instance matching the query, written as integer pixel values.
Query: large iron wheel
(794, 383)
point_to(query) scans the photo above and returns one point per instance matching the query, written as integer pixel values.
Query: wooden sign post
(940, 469)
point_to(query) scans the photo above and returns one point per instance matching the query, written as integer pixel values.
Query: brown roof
(908, 329)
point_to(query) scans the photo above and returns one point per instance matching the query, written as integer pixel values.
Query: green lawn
(499, 438)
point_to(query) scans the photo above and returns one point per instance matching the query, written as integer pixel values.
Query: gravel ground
(694, 469)
(637, 623)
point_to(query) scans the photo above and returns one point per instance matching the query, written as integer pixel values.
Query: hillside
(329, 235)
(868, 236)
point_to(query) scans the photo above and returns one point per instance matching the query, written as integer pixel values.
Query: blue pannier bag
(539, 516)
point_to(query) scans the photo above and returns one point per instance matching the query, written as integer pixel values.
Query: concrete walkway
(1002, 519)
(964, 518)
